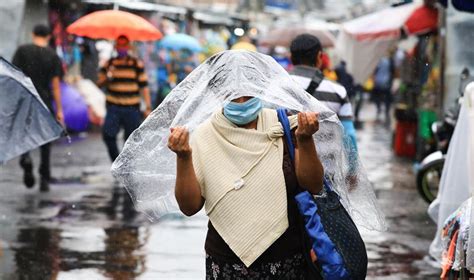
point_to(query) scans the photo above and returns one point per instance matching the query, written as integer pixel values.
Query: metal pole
(442, 58)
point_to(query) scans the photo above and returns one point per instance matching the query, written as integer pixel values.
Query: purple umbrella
(74, 109)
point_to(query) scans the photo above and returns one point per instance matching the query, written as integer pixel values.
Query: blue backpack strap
(283, 118)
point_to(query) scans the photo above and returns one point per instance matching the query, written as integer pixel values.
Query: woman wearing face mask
(237, 166)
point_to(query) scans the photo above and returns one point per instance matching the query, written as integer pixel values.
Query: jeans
(128, 117)
(383, 96)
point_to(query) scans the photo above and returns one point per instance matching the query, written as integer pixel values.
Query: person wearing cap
(307, 58)
(43, 66)
(123, 78)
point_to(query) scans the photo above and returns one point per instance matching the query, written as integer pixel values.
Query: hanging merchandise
(454, 238)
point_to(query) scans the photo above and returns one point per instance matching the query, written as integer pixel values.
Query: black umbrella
(25, 121)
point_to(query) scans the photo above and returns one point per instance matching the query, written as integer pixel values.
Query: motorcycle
(429, 173)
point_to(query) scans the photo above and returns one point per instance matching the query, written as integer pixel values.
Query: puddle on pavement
(45, 245)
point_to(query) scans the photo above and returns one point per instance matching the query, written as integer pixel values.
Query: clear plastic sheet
(147, 167)
(469, 97)
(457, 184)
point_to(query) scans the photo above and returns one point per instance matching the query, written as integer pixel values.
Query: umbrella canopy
(363, 41)
(179, 41)
(423, 20)
(282, 36)
(25, 121)
(110, 24)
(75, 109)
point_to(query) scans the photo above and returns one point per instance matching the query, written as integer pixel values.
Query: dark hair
(304, 49)
(41, 30)
(123, 37)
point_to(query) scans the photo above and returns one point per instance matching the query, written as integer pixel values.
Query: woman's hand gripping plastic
(178, 142)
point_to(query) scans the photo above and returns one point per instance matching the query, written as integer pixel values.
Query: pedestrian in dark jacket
(43, 66)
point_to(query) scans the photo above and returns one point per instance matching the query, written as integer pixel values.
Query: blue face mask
(243, 113)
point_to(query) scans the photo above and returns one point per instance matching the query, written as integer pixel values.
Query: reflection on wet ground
(86, 228)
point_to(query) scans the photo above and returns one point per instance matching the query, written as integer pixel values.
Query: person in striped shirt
(125, 82)
(306, 56)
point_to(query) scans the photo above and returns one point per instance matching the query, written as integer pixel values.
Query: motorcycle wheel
(428, 179)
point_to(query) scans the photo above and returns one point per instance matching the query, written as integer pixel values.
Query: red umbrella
(110, 24)
(422, 20)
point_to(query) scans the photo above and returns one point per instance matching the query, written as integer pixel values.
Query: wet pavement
(86, 228)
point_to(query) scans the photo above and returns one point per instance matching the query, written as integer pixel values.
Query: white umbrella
(283, 35)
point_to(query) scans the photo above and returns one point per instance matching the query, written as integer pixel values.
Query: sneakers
(28, 176)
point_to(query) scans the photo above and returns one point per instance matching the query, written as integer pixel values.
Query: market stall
(363, 41)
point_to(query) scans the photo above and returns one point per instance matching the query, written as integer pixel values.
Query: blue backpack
(333, 236)
(384, 74)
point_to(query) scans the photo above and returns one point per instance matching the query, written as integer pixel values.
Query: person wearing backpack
(306, 56)
(383, 79)
(123, 78)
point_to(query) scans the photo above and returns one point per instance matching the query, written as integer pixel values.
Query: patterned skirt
(293, 268)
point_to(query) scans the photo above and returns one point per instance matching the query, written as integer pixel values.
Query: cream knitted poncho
(241, 178)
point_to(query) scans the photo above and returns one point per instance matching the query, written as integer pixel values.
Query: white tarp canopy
(362, 42)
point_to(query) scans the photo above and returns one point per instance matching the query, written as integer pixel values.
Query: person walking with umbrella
(43, 66)
(123, 78)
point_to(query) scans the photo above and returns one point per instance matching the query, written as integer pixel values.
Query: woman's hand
(308, 124)
(309, 170)
(187, 190)
(178, 142)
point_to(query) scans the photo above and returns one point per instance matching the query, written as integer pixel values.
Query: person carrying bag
(333, 236)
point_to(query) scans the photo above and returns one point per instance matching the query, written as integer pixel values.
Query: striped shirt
(333, 95)
(125, 78)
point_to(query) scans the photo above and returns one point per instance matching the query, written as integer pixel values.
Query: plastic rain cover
(25, 121)
(457, 181)
(147, 167)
